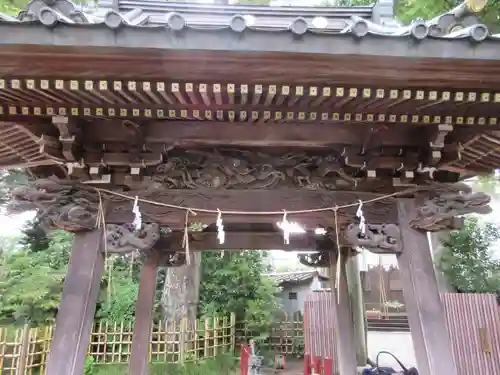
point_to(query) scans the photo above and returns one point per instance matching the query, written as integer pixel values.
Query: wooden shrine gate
(137, 123)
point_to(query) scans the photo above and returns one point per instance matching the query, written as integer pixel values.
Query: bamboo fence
(170, 343)
(24, 351)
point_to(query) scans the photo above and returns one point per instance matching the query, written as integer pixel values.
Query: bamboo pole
(23, 352)
(233, 332)
(207, 337)
(182, 341)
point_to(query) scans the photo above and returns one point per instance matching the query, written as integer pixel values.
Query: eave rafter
(248, 103)
(19, 147)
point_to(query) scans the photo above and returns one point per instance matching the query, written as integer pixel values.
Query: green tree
(467, 259)
(410, 10)
(31, 283)
(235, 282)
(120, 288)
(11, 179)
(9, 8)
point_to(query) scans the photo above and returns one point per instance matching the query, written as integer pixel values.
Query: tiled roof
(359, 21)
(295, 277)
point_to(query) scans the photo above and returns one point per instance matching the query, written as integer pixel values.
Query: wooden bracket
(437, 142)
(69, 135)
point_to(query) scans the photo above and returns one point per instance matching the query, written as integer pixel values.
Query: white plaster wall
(292, 306)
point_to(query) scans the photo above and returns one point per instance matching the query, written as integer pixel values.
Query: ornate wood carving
(319, 259)
(443, 210)
(379, 239)
(125, 238)
(231, 169)
(172, 259)
(166, 258)
(59, 205)
(244, 169)
(71, 206)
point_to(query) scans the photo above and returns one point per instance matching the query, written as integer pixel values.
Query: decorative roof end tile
(476, 33)
(299, 26)
(175, 21)
(135, 17)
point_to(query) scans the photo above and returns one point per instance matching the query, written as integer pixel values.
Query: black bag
(389, 370)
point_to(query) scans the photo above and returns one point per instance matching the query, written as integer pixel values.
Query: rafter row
(246, 116)
(179, 88)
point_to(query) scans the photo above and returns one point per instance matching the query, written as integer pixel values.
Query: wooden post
(216, 336)
(343, 323)
(232, 322)
(426, 316)
(141, 337)
(206, 345)
(358, 310)
(75, 317)
(23, 352)
(182, 340)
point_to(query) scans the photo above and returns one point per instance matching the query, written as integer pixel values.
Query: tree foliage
(119, 290)
(11, 179)
(467, 260)
(31, 282)
(234, 282)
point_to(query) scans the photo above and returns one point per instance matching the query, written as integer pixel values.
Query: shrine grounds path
(398, 343)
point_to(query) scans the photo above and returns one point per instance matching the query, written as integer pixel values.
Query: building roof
(164, 64)
(134, 17)
(295, 276)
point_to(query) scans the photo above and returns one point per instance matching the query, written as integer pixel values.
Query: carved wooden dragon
(379, 239)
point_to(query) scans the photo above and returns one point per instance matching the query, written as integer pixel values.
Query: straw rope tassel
(185, 239)
(339, 256)
(101, 223)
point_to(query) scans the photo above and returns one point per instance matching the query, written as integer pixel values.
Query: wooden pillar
(426, 316)
(75, 317)
(358, 310)
(141, 338)
(343, 322)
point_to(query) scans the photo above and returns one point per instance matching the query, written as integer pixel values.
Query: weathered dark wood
(241, 241)
(75, 316)
(249, 200)
(425, 312)
(352, 62)
(195, 133)
(343, 321)
(141, 338)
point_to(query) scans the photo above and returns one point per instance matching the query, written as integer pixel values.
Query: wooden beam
(75, 316)
(200, 241)
(141, 338)
(250, 200)
(243, 134)
(426, 316)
